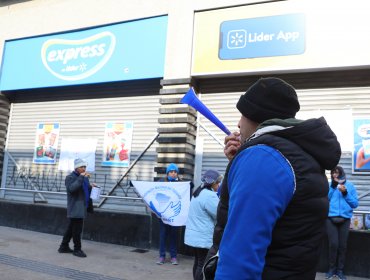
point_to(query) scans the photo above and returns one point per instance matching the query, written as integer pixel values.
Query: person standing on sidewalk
(78, 200)
(273, 204)
(168, 232)
(202, 219)
(342, 200)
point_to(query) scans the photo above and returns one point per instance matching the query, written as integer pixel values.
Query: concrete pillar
(4, 119)
(177, 128)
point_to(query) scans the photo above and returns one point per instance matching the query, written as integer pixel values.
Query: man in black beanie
(273, 205)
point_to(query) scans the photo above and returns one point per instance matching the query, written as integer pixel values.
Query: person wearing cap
(342, 200)
(78, 199)
(168, 232)
(201, 219)
(273, 203)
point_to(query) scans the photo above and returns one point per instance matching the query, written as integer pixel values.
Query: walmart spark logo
(236, 39)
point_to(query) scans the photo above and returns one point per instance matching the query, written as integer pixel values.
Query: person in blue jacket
(168, 232)
(342, 200)
(273, 204)
(202, 219)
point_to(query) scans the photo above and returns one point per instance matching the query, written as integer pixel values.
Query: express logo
(73, 60)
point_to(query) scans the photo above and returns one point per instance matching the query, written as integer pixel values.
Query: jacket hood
(313, 135)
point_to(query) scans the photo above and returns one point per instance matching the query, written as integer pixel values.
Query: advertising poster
(46, 143)
(77, 148)
(361, 146)
(357, 222)
(117, 144)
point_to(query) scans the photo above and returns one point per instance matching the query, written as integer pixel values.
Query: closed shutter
(222, 103)
(83, 118)
(223, 106)
(356, 99)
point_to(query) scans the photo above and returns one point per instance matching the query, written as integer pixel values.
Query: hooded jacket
(342, 204)
(273, 205)
(201, 219)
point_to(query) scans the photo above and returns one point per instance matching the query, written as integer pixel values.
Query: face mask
(171, 179)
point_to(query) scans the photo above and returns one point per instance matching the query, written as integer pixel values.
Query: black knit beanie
(269, 98)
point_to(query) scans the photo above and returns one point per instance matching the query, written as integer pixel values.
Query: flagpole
(128, 169)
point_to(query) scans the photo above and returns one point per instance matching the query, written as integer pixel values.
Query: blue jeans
(167, 232)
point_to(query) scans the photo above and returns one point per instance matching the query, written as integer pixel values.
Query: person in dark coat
(273, 204)
(78, 200)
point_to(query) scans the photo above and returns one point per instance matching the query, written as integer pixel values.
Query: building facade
(78, 76)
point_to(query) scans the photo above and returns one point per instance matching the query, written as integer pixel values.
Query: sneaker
(174, 261)
(79, 253)
(160, 260)
(341, 275)
(330, 274)
(65, 249)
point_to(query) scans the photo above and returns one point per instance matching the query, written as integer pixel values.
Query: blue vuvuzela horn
(191, 99)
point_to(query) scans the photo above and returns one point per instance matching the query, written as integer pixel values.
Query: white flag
(168, 200)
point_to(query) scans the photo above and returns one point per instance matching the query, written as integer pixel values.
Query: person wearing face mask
(273, 203)
(342, 200)
(168, 232)
(201, 219)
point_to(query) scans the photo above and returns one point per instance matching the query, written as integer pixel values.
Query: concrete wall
(118, 228)
(140, 231)
(357, 257)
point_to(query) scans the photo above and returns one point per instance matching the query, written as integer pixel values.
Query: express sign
(102, 54)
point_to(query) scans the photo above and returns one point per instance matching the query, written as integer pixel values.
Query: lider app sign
(262, 37)
(117, 52)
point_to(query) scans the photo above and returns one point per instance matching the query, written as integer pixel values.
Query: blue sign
(118, 52)
(262, 37)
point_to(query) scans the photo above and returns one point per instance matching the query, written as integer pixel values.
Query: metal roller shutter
(83, 118)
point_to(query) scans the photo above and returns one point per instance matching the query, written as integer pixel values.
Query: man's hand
(232, 145)
(360, 158)
(85, 174)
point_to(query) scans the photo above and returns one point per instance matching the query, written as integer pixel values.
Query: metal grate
(52, 269)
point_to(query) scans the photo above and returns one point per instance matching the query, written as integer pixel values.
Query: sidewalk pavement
(33, 256)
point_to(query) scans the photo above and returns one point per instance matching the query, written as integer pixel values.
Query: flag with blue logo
(168, 200)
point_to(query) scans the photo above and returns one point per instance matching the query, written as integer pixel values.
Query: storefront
(89, 93)
(127, 68)
(233, 47)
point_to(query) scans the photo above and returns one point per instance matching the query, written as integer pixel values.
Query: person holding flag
(168, 232)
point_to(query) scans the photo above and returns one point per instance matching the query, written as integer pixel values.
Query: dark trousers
(337, 236)
(74, 231)
(200, 255)
(167, 232)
